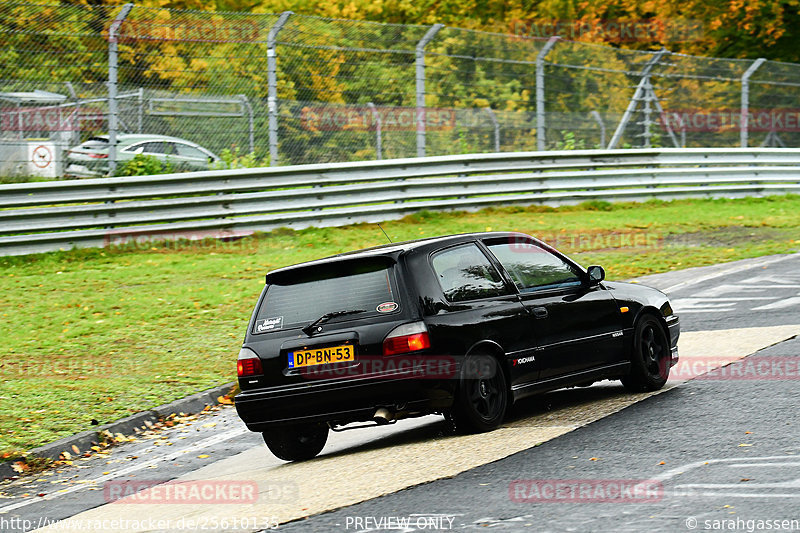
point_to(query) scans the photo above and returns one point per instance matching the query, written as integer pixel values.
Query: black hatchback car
(462, 325)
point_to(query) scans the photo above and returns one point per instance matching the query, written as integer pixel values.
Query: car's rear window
(356, 287)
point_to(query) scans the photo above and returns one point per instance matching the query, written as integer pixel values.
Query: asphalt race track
(718, 449)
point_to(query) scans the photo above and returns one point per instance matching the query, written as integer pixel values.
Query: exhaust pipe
(383, 416)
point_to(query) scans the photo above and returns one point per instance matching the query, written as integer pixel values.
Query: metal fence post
(272, 82)
(250, 122)
(496, 125)
(378, 128)
(640, 89)
(140, 114)
(596, 116)
(745, 108)
(113, 111)
(541, 138)
(420, 76)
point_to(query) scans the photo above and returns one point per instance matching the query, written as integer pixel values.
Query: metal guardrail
(45, 216)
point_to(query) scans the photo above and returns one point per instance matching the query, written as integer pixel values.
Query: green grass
(22, 179)
(100, 334)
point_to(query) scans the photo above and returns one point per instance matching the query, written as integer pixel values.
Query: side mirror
(596, 274)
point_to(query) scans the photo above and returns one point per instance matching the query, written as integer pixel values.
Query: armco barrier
(44, 216)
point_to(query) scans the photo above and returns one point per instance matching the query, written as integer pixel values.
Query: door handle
(540, 312)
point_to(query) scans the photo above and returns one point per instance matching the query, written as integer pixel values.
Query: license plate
(321, 356)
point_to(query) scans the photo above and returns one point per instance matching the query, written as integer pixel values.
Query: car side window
(533, 268)
(135, 148)
(184, 150)
(155, 147)
(465, 273)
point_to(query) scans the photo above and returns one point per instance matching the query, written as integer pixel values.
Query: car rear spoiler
(329, 267)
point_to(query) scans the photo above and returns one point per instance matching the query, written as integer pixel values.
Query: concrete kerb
(86, 439)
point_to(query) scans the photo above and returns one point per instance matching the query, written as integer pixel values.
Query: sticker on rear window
(269, 324)
(387, 307)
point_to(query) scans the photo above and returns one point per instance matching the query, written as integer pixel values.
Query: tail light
(407, 338)
(248, 364)
(98, 156)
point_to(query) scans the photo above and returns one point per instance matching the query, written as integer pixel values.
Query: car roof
(394, 250)
(134, 137)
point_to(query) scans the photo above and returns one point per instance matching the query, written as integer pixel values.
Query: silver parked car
(90, 159)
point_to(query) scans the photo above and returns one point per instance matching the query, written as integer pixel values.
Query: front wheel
(482, 396)
(650, 357)
(296, 443)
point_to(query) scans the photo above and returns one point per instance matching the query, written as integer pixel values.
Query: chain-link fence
(85, 89)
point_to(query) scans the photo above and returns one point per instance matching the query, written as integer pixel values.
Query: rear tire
(296, 443)
(650, 357)
(482, 397)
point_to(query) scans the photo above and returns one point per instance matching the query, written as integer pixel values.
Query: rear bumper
(341, 401)
(84, 170)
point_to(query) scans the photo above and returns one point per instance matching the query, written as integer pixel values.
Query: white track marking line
(727, 271)
(780, 304)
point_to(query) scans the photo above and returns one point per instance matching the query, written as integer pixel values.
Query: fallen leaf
(204, 456)
(748, 432)
(20, 467)
(743, 445)
(224, 400)
(745, 479)
(662, 463)
(210, 425)
(593, 459)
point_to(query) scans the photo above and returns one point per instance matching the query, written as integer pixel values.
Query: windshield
(360, 286)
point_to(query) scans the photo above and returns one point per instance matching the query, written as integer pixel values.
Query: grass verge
(95, 335)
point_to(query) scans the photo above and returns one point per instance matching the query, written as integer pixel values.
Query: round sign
(42, 156)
